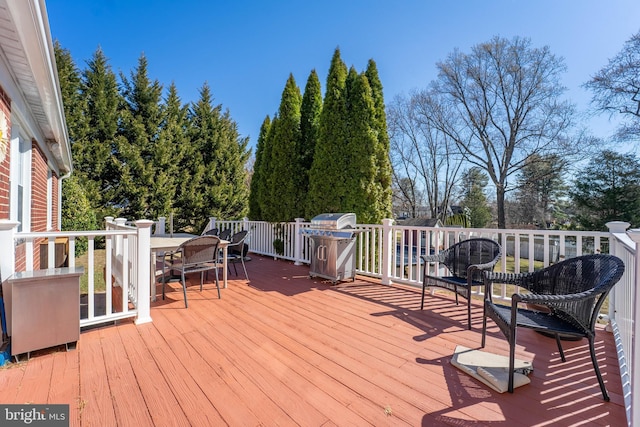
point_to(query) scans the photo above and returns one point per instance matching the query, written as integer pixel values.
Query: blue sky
(246, 49)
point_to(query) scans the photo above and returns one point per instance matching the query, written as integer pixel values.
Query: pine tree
(255, 213)
(93, 153)
(284, 187)
(309, 123)
(169, 150)
(77, 213)
(140, 123)
(327, 176)
(218, 157)
(475, 200)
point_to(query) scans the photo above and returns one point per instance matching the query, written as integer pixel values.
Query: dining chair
(211, 232)
(567, 297)
(237, 250)
(225, 234)
(196, 255)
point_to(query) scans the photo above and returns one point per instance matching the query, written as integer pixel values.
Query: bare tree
(421, 152)
(502, 103)
(616, 89)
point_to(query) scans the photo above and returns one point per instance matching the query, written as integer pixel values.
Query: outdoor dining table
(170, 242)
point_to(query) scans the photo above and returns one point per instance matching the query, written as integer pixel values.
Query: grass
(98, 271)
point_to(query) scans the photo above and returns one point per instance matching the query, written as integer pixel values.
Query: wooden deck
(286, 350)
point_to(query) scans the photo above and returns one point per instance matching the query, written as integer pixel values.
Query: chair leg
(512, 357)
(244, 267)
(184, 290)
(422, 301)
(164, 281)
(217, 283)
(592, 350)
(560, 348)
(469, 311)
(484, 327)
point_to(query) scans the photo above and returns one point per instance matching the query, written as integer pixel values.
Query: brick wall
(5, 107)
(39, 176)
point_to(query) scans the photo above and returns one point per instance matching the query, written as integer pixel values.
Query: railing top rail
(506, 231)
(94, 233)
(625, 240)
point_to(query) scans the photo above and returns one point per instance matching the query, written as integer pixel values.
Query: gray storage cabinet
(42, 308)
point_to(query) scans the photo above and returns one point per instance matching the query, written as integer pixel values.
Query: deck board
(283, 349)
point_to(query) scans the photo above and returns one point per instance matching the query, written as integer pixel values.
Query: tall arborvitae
(93, 155)
(169, 149)
(383, 166)
(309, 123)
(285, 162)
(140, 122)
(268, 208)
(219, 155)
(327, 176)
(255, 213)
(361, 195)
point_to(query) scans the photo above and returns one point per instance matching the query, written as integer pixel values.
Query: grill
(332, 237)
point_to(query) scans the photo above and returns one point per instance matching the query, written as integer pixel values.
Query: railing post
(144, 271)
(614, 227)
(212, 223)
(160, 226)
(634, 234)
(387, 251)
(297, 245)
(8, 262)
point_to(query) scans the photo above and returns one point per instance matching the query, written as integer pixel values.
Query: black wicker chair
(569, 295)
(466, 260)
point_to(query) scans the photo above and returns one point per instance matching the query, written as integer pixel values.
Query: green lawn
(98, 273)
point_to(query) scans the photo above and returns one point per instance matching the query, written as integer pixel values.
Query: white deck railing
(392, 254)
(127, 263)
(388, 252)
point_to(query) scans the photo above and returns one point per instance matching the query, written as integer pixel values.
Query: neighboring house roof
(27, 50)
(421, 222)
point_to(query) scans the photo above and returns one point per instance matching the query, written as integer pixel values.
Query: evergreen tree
(77, 213)
(540, 186)
(255, 212)
(94, 153)
(217, 186)
(475, 200)
(327, 183)
(285, 160)
(169, 150)
(384, 170)
(607, 189)
(74, 103)
(140, 123)
(309, 123)
(362, 195)
(268, 207)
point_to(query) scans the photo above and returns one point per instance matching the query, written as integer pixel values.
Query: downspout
(63, 177)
